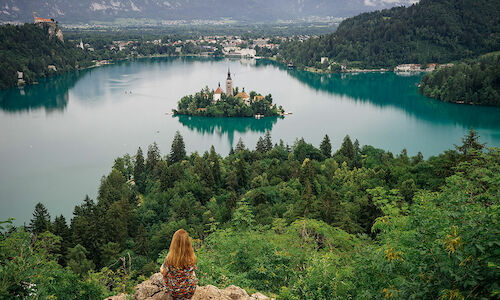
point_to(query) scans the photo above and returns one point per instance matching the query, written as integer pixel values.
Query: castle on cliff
(37, 20)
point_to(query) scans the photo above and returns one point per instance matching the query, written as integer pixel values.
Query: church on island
(228, 102)
(230, 92)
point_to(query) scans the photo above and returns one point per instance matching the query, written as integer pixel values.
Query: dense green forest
(476, 82)
(202, 104)
(431, 31)
(295, 221)
(30, 49)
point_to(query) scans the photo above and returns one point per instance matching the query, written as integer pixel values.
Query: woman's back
(180, 282)
(179, 267)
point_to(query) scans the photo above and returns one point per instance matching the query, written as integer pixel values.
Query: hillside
(436, 31)
(36, 51)
(298, 221)
(475, 82)
(73, 11)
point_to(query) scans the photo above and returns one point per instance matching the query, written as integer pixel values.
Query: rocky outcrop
(153, 289)
(53, 30)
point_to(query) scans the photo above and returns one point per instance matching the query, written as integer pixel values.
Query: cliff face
(53, 30)
(153, 289)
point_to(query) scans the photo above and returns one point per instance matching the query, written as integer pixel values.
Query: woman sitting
(179, 267)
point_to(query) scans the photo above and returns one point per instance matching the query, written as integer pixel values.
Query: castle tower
(229, 83)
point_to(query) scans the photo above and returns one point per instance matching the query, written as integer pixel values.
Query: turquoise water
(60, 136)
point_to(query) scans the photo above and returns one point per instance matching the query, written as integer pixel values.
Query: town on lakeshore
(230, 102)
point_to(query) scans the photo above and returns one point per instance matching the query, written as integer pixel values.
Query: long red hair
(181, 252)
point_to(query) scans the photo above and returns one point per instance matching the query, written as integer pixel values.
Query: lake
(60, 136)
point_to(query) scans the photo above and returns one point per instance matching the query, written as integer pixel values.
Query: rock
(153, 289)
(259, 296)
(121, 296)
(209, 292)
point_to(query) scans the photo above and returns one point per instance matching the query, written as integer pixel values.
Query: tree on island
(203, 103)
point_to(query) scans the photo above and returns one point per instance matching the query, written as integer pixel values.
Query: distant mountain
(73, 11)
(431, 31)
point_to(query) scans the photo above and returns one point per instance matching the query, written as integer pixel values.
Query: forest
(202, 104)
(292, 221)
(29, 49)
(474, 82)
(430, 31)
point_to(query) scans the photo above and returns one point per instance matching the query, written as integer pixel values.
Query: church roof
(218, 90)
(242, 95)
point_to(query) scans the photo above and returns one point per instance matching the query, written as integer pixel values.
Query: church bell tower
(229, 84)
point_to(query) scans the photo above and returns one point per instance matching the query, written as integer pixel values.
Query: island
(228, 103)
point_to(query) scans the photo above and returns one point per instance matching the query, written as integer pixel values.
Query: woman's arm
(163, 269)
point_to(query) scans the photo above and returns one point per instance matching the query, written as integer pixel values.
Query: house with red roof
(244, 96)
(41, 20)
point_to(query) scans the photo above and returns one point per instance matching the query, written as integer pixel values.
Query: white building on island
(217, 94)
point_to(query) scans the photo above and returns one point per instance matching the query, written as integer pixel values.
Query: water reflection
(391, 90)
(381, 90)
(229, 126)
(50, 94)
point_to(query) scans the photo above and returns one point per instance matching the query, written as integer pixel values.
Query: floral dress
(180, 283)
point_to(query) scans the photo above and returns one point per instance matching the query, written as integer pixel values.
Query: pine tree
(242, 172)
(60, 228)
(240, 146)
(215, 165)
(357, 156)
(260, 147)
(41, 220)
(268, 143)
(356, 147)
(347, 149)
(470, 144)
(153, 157)
(326, 146)
(142, 245)
(178, 150)
(139, 175)
(417, 158)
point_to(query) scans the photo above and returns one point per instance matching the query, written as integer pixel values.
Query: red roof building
(41, 20)
(217, 94)
(218, 90)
